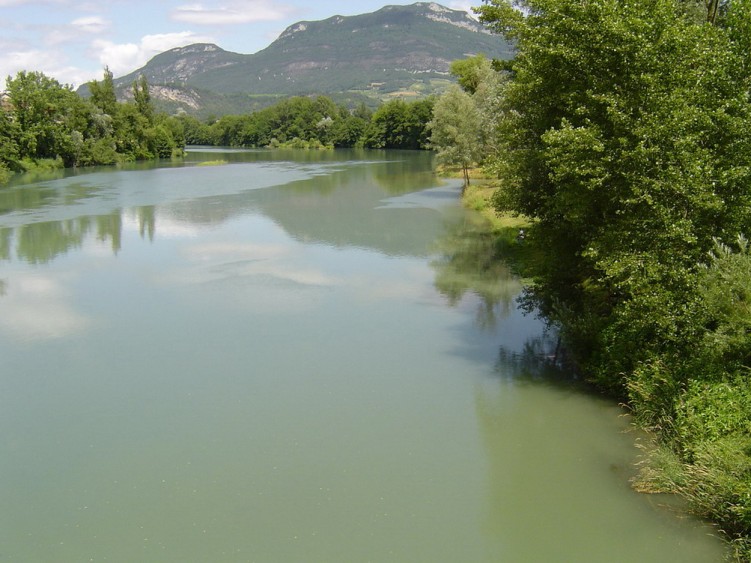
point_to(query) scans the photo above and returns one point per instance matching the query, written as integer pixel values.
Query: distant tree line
(46, 124)
(317, 122)
(43, 121)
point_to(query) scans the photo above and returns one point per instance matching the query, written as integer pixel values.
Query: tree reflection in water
(470, 261)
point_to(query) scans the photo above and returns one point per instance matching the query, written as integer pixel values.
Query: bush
(5, 173)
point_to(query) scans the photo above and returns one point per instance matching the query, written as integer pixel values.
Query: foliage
(103, 93)
(465, 118)
(626, 138)
(316, 122)
(624, 133)
(46, 120)
(455, 130)
(399, 125)
(725, 289)
(471, 72)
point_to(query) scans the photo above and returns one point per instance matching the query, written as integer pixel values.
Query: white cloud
(123, 58)
(76, 30)
(91, 24)
(232, 12)
(48, 62)
(53, 63)
(46, 48)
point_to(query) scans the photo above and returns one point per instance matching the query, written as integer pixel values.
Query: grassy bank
(510, 248)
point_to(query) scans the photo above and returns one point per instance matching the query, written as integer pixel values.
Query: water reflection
(539, 508)
(38, 306)
(325, 196)
(469, 262)
(40, 243)
(146, 217)
(538, 502)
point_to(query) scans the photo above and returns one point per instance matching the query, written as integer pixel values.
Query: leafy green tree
(725, 288)
(195, 132)
(455, 130)
(626, 138)
(162, 142)
(142, 98)
(40, 109)
(103, 93)
(131, 128)
(347, 131)
(47, 120)
(399, 125)
(625, 134)
(471, 72)
(8, 140)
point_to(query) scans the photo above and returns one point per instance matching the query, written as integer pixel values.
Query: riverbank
(711, 423)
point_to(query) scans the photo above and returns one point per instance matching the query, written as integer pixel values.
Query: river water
(293, 356)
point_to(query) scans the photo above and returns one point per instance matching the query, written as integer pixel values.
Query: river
(293, 356)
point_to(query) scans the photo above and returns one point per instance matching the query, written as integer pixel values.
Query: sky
(73, 40)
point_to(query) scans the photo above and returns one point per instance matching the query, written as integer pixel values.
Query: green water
(297, 356)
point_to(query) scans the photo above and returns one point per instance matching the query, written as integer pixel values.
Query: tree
(8, 144)
(39, 108)
(471, 72)
(625, 136)
(103, 93)
(142, 98)
(455, 130)
(725, 287)
(347, 131)
(399, 125)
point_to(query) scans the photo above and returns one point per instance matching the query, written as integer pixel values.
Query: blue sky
(72, 40)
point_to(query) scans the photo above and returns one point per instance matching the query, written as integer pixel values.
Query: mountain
(397, 50)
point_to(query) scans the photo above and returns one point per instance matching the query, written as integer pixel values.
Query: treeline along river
(293, 356)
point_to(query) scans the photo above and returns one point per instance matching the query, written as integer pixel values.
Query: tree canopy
(46, 120)
(304, 121)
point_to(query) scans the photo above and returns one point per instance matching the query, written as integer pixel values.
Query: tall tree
(8, 140)
(142, 98)
(471, 72)
(626, 137)
(455, 130)
(103, 93)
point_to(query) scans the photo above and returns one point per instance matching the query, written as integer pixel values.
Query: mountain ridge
(394, 51)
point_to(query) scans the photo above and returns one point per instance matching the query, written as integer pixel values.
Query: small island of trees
(45, 123)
